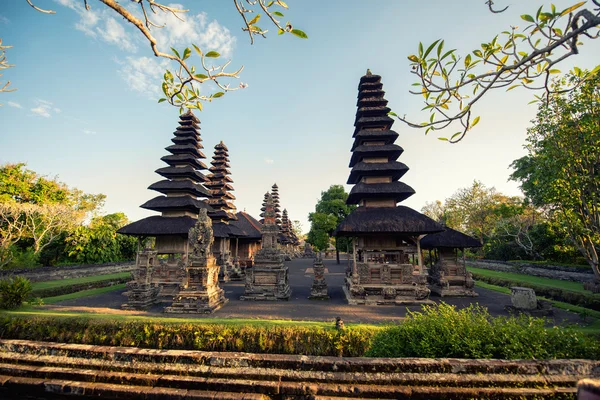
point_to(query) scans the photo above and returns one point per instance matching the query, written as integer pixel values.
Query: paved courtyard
(300, 308)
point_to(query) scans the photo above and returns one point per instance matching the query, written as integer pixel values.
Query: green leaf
(554, 71)
(527, 18)
(431, 46)
(161, 100)
(455, 135)
(186, 53)
(467, 60)
(475, 121)
(201, 76)
(299, 33)
(443, 138)
(282, 4)
(280, 32)
(197, 49)
(218, 94)
(278, 14)
(512, 87)
(572, 8)
(254, 20)
(413, 58)
(212, 54)
(595, 70)
(393, 114)
(175, 52)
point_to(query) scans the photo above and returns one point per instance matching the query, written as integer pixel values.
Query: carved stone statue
(201, 236)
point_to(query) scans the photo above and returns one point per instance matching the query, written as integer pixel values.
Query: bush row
(436, 331)
(61, 290)
(579, 299)
(318, 341)
(444, 331)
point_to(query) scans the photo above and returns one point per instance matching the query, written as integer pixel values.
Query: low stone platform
(51, 370)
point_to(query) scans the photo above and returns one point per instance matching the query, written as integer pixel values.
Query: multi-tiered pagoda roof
(376, 172)
(181, 190)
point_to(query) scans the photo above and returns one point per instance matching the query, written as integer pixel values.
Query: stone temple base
(386, 294)
(452, 291)
(140, 296)
(268, 279)
(201, 294)
(318, 291)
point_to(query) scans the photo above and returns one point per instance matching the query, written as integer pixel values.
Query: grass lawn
(552, 283)
(83, 293)
(75, 281)
(33, 311)
(592, 328)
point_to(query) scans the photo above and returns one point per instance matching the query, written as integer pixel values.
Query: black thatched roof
(394, 169)
(381, 121)
(372, 111)
(183, 203)
(185, 149)
(371, 93)
(189, 115)
(393, 190)
(187, 140)
(184, 159)
(449, 238)
(391, 151)
(220, 230)
(159, 226)
(235, 231)
(249, 225)
(182, 186)
(375, 134)
(371, 102)
(374, 85)
(182, 172)
(399, 220)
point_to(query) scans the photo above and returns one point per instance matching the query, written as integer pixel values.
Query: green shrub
(320, 341)
(14, 291)
(444, 331)
(77, 287)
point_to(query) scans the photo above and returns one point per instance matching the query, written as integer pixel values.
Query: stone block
(523, 298)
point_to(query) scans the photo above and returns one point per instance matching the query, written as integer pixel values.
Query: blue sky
(86, 111)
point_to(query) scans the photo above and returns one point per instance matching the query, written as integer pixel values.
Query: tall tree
(562, 170)
(330, 210)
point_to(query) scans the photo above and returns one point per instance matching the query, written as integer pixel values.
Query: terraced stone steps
(117, 372)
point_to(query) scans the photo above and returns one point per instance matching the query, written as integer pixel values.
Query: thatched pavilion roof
(449, 238)
(399, 220)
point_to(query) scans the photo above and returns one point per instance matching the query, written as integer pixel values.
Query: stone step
(142, 373)
(36, 388)
(34, 364)
(306, 363)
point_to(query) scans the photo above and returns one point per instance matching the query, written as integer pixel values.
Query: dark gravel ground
(300, 308)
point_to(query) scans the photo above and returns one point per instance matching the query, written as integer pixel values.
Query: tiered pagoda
(179, 202)
(384, 234)
(275, 194)
(284, 234)
(221, 200)
(268, 278)
(449, 276)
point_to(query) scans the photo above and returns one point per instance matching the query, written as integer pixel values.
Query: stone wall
(67, 272)
(546, 271)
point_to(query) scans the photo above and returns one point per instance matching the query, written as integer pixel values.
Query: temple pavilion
(448, 276)
(246, 246)
(179, 202)
(384, 234)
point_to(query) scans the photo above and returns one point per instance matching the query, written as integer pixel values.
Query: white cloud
(88, 132)
(143, 74)
(13, 104)
(100, 23)
(4, 20)
(269, 161)
(44, 108)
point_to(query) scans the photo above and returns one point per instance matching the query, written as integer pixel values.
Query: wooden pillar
(354, 268)
(419, 255)
(237, 243)
(464, 259)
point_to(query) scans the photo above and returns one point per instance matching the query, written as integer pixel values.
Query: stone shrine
(141, 292)
(383, 234)
(200, 294)
(268, 278)
(449, 275)
(318, 290)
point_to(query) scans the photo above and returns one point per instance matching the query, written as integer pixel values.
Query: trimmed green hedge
(318, 341)
(436, 331)
(579, 299)
(443, 331)
(62, 290)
